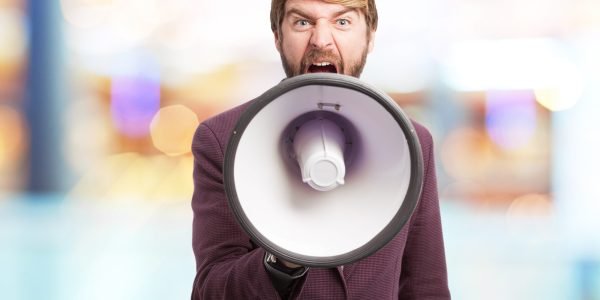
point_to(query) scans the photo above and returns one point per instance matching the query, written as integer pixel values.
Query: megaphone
(323, 170)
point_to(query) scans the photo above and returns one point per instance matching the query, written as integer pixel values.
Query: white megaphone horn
(323, 170)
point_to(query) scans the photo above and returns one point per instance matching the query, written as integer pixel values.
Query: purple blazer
(230, 266)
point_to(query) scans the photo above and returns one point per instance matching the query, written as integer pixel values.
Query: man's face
(321, 37)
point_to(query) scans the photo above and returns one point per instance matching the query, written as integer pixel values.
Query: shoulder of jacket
(231, 115)
(222, 124)
(423, 134)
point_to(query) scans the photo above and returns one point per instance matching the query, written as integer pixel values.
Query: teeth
(322, 64)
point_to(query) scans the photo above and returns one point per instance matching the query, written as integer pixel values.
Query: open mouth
(323, 67)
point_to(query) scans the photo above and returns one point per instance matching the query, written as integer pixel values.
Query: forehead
(317, 8)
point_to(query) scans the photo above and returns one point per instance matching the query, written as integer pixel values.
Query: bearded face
(320, 37)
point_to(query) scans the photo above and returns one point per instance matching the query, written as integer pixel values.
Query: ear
(277, 40)
(371, 41)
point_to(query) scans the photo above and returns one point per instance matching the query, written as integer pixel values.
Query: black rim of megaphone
(391, 229)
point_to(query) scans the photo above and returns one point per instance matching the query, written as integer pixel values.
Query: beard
(313, 55)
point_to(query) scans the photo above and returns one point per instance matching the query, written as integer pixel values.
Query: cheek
(353, 46)
(293, 48)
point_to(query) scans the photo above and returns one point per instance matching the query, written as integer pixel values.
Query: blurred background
(99, 100)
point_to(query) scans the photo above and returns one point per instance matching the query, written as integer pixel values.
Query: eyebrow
(305, 15)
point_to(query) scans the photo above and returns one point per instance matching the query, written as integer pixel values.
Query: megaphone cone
(323, 170)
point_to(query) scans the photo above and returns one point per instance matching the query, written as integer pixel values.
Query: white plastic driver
(319, 147)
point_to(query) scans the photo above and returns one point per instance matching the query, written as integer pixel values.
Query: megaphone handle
(272, 259)
(283, 274)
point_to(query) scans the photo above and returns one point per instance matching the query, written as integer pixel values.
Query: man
(311, 36)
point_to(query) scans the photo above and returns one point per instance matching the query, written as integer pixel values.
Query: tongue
(322, 69)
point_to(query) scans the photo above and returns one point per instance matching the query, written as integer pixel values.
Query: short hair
(366, 6)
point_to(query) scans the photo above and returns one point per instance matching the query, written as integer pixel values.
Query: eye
(342, 22)
(302, 23)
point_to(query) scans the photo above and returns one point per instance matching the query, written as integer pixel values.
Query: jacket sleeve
(424, 274)
(228, 265)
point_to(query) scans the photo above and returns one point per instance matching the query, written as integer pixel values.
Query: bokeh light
(531, 205)
(172, 129)
(565, 90)
(562, 98)
(13, 41)
(465, 154)
(134, 103)
(510, 117)
(12, 138)
(508, 104)
(135, 92)
(531, 213)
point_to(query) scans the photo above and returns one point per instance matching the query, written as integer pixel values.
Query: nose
(322, 35)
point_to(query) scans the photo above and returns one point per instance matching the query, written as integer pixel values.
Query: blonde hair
(366, 6)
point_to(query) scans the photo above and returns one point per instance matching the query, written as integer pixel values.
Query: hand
(288, 264)
(270, 258)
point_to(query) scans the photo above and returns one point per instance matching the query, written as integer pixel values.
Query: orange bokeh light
(12, 138)
(172, 129)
